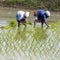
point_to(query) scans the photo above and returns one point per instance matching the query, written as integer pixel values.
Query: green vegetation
(32, 43)
(33, 4)
(13, 23)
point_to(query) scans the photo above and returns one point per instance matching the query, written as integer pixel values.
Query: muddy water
(29, 49)
(48, 49)
(3, 22)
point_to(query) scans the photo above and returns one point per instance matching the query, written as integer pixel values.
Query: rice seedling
(31, 43)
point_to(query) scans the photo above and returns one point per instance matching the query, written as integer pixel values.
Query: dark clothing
(41, 15)
(21, 21)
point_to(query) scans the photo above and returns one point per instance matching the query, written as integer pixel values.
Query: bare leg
(24, 23)
(46, 24)
(35, 23)
(18, 24)
(42, 24)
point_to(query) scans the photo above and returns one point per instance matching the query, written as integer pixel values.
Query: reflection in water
(3, 22)
(31, 44)
(40, 34)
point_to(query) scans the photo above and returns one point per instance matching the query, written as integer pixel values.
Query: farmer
(41, 16)
(21, 17)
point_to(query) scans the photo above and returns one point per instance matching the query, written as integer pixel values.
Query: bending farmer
(41, 16)
(21, 17)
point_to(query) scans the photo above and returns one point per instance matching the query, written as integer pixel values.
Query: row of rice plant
(31, 43)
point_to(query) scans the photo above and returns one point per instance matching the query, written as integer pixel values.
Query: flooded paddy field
(31, 44)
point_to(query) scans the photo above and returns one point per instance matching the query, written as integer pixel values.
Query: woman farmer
(41, 16)
(21, 17)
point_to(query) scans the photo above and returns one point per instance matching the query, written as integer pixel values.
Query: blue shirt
(18, 17)
(41, 14)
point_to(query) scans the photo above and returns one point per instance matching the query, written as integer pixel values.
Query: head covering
(20, 12)
(47, 13)
(27, 14)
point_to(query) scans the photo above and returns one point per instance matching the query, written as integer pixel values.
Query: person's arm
(45, 20)
(35, 19)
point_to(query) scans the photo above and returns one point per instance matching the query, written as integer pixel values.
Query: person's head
(47, 13)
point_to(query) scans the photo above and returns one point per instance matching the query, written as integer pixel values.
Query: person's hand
(35, 18)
